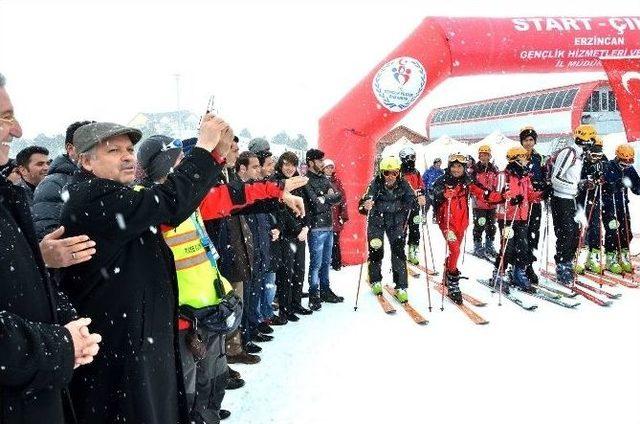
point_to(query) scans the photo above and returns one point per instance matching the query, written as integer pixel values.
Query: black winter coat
(129, 290)
(390, 206)
(36, 354)
(47, 201)
(318, 201)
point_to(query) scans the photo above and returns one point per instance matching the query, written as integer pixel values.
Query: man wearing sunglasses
(387, 203)
(619, 177)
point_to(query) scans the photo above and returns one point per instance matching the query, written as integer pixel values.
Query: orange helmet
(585, 133)
(625, 153)
(514, 152)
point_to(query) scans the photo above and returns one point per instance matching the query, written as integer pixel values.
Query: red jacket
(487, 177)
(512, 183)
(414, 179)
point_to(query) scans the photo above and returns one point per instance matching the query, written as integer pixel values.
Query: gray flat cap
(89, 135)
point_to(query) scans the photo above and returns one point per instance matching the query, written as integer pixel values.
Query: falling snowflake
(120, 220)
(64, 195)
(153, 229)
(116, 270)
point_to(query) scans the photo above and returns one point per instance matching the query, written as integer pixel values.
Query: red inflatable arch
(447, 47)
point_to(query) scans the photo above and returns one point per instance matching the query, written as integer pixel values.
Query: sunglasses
(390, 173)
(410, 157)
(458, 158)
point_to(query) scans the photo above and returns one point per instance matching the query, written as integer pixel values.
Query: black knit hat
(314, 154)
(528, 132)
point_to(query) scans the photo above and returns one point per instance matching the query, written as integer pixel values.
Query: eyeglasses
(390, 173)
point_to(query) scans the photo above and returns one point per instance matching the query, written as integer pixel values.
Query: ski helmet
(528, 131)
(485, 148)
(390, 163)
(585, 134)
(458, 157)
(514, 152)
(407, 154)
(625, 153)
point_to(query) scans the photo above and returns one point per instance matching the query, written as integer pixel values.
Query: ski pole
(426, 225)
(446, 255)
(625, 210)
(602, 237)
(615, 213)
(424, 254)
(355, 308)
(506, 236)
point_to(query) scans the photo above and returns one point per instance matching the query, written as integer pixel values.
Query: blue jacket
(430, 176)
(614, 188)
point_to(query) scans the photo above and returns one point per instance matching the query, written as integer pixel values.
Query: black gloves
(516, 200)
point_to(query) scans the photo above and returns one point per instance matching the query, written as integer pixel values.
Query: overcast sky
(272, 65)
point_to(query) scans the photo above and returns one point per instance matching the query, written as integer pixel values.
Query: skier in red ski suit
(451, 201)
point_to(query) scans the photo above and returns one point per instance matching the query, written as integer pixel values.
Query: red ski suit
(451, 196)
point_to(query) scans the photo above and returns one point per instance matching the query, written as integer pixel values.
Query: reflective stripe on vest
(196, 274)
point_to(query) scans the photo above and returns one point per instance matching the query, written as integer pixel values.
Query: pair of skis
(470, 313)
(388, 308)
(577, 289)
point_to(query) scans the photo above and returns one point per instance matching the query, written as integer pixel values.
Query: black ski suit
(589, 199)
(389, 215)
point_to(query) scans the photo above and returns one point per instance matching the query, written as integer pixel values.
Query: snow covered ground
(553, 365)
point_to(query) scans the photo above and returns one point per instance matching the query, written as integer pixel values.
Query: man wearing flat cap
(129, 288)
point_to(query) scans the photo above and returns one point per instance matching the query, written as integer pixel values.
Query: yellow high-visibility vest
(196, 273)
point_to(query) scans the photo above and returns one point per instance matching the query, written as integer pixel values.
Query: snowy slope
(552, 365)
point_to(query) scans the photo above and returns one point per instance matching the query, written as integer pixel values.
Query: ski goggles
(390, 173)
(458, 158)
(409, 158)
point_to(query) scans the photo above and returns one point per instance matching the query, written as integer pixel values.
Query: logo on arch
(399, 83)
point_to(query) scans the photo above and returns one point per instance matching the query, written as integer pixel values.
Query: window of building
(540, 101)
(515, 105)
(568, 100)
(548, 101)
(506, 107)
(531, 103)
(595, 102)
(523, 104)
(475, 110)
(613, 105)
(557, 102)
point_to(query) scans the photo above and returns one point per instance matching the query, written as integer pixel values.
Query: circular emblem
(614, 224)
(375, 243)
(481, 221)
(399, 83)
(507, 233)
(417, 219)
(451, 236)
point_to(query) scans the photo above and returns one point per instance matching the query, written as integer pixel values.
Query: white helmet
(407, 153)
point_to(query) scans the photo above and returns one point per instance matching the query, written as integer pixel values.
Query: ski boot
(624, 261)
(412, 258)
(489, 250)
(564, 273)
(521, 280)
(401, 295)
(612, 263)
(453, 289)
(531, 275)
(478, 250)
(593, 263)
(376, 288)
(500, 282)
(583, 256)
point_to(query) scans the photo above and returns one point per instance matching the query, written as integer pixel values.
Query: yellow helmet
(625, 153)
(514, 152)
(485, 148)
(390, 163)
(585, 132)
(598, 141)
